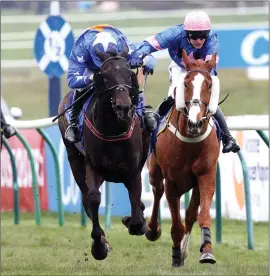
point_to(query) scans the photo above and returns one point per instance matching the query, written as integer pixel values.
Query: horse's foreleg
(206, 184)
(190, 218)
(91, 202)
(177, 229)
(136, 224)
(156, 180)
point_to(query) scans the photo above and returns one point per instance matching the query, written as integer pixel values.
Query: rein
(111, 138)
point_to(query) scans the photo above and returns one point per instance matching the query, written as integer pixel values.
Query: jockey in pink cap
(198, 39)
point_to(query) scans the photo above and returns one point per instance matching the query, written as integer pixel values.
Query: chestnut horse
(186, 157)
(115, 145)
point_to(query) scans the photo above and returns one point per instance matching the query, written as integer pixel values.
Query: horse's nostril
(126, 109)
(118, 107)
(191, 124)
(200, 124)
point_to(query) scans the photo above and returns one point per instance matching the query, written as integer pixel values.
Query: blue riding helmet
(107, 41)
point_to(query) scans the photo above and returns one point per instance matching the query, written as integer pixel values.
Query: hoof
(100, 250)
(126, 220)
(177, 261)
(103, 240)
(207, 258)
(153, 235)
(137, 230)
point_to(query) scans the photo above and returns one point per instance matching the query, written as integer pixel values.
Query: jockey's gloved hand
(135, 63)
(88, 79)
(149, 63)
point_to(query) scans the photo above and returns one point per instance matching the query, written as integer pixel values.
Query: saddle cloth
(80, 116)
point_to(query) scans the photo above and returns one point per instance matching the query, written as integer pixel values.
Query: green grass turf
(48, 249)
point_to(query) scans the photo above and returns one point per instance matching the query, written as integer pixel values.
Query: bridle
(118, 137)
(197, 102)
(124, 85)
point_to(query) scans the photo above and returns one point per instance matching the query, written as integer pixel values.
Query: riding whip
(62, 113)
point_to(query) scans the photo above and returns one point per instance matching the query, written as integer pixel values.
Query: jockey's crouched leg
(9, 131)
(72, 133)
(150, 119)
(229, 143)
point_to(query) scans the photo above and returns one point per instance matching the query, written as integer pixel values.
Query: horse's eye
(185, 84)
(210, 86)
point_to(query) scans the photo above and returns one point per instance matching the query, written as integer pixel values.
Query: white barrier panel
(255, 152)
(40, 123)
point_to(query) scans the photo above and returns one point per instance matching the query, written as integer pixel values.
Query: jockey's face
(197, 43)
(197, 38)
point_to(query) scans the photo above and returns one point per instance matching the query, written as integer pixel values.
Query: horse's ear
(212, 62)
(125, 51)
(185, 58)
(102, 56)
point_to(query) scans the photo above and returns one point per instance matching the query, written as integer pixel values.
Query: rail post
(15, 182)
(249, 224)
(57, 172)
(218, 206)
(34, 178)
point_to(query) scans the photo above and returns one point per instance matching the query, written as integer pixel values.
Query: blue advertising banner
(243, 48)
(71, 194)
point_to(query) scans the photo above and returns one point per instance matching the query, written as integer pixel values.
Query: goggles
(194, 35)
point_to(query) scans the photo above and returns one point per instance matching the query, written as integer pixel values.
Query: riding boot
(229, 143)
(149, 119)
(72, 133)
(165, 106)
(7, 129)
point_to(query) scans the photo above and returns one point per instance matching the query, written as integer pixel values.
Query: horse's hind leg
(190, 218)
(156, 180)
(206, 185)
(100, 246)
(177, 229)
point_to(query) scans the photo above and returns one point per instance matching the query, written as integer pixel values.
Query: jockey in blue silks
(83, 63)
(200, 42)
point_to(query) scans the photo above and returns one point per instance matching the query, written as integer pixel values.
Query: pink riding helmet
(197, 21)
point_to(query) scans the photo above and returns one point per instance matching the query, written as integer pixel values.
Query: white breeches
(175, 71)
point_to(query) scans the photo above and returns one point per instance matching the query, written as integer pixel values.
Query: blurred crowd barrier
(42, 7)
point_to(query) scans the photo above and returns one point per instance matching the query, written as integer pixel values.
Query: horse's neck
(105, 119)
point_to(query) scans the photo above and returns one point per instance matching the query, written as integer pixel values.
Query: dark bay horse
(115, 145)
(186, 157)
